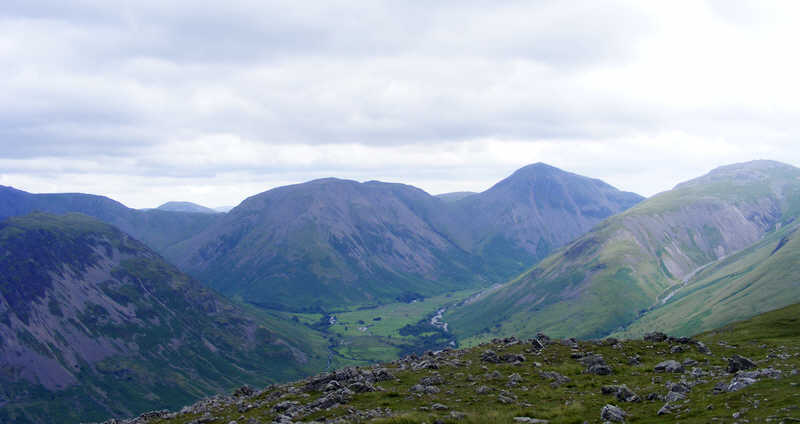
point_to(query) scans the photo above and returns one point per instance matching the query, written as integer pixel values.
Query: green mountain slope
(610, 276)
(744, 372)
(94, 324)
(333, 243)
(763, 277)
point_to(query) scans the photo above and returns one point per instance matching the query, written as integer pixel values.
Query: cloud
(233, 99)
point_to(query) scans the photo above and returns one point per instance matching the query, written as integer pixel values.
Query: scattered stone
(623, 393)
(702, 348)
(613, 413)
(677, 349)
(739, 363)
(490, 356)
(530, 420)
(666, 409)
(439, 407)
(482, 390)
(514, 379)
(457, 415)
(669, 366)
(243, 391)
(656, 336)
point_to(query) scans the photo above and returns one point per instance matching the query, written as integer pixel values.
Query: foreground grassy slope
(612, 275)
(518, 381)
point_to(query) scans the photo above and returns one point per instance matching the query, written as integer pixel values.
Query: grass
(772, 340)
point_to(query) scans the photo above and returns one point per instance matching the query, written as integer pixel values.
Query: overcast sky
(148, 101)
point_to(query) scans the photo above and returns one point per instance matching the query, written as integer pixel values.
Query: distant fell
(94, 324)
(333, 242)
(175, 206)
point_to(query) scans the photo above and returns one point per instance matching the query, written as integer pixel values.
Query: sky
(148, 101)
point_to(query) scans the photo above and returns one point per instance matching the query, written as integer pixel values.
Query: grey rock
(669, 366)
(739, 363)
(530, 420)
(440, 407)
(666, 409)
(613, 413)
(656, 336)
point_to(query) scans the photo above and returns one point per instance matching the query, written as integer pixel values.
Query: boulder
(613, 413)
(669, 366)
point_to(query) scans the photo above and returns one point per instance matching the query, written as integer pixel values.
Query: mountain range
(109, 311)
(331, 242)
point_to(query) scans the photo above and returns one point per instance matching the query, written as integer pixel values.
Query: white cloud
(151, 101)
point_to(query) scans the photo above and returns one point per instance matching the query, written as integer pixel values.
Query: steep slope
(608, 277)
(157, 228)
(760, 278)
(185, 207)
(330, 242)
(95, 324)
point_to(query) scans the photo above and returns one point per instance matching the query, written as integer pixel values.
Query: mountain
(536, 210)
(157, 228)
(185, 207)
(633, 261)
(455, 196)
(94, 324)
(747, 369)
(223, 209)
(331, 242)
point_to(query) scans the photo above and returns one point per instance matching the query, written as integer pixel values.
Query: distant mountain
(538, 209)
(157, 228)
(633, 261)
(185, 207)
(332, 242)
(223, 209)
(455, 196)
(94, 324)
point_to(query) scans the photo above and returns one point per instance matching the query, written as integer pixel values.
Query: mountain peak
(744, 172)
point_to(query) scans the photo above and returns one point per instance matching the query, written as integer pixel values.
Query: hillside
(745, 372)
(610, 276)
(95, 324)
(334, 243)
(175, 206)
(156, 228)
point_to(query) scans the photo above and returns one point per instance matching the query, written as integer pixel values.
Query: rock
(679, 388)
(514, 379)
(613, 413)
(361, 387)
(530, 420)
(625, 394)
(702, 348)
(457, 415)
(505, 399)
(433, 380)
(739, 383)
(677, 349)
(490, 356)
(674, 396)
(554, 376)
(739, 363)
(284, 406)
(332, 385)
(600, 369)
(688, 362)
(656, 336)
(382, 374)
(511, 358)
(243, 391)
(666, 409)
(669, 366)
(439, 407)
(482, 390)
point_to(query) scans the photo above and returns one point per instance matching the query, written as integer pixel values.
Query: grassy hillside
(763, 277)
(515, 381)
